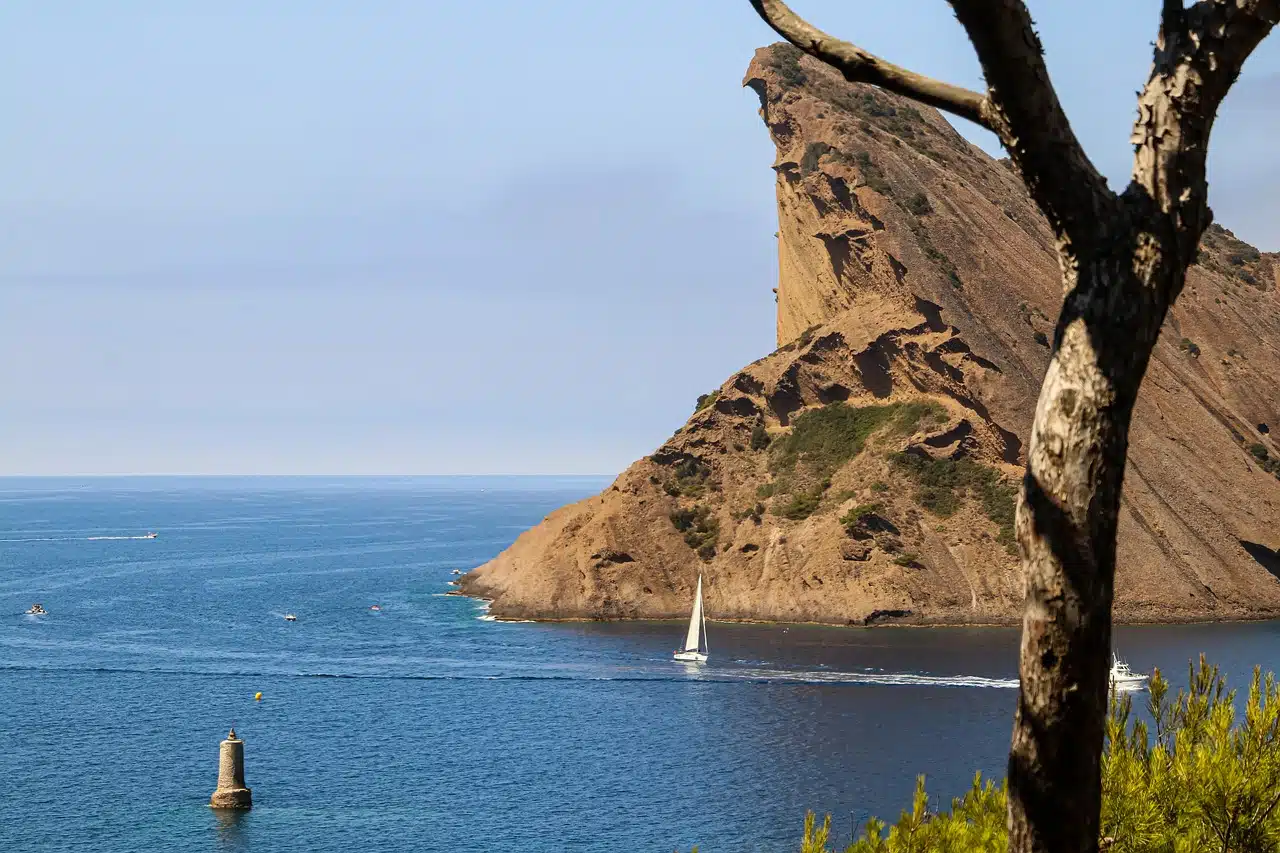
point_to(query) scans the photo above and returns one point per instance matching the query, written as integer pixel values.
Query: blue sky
(416, 237)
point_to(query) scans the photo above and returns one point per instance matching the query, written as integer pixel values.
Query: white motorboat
(1124, 679)
(289, 617)
(36, 610)
(695, 647)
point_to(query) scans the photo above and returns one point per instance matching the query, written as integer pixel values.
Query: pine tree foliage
(1192, 776)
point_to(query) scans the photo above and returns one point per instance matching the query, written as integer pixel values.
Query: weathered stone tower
(232, 792)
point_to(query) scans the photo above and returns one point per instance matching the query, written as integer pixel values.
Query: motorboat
(376, 609)
(289, 617)
(1123, 678)
(151, 535)
(695, 649)
(36, 610)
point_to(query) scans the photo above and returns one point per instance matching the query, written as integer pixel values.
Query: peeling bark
(1124, 260)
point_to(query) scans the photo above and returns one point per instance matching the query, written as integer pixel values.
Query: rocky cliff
(864, 471)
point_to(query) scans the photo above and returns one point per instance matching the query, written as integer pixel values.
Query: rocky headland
(864, 471)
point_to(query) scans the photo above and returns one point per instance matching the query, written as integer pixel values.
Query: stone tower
(232, 792)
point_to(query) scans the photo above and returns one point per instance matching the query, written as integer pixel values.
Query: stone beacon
(232, 792)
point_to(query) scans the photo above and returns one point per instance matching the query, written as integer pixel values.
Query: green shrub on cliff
(1199, 777)
(759, 436)
(943, 484)
(822, 440)
(919, 204)
(786, 60)
(802, 504)
(700, 529)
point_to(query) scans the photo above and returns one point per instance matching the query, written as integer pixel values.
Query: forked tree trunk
(1124, 260)
(1066, 528)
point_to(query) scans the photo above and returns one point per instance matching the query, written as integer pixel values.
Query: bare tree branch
(859, 66)
(1199, 53)
(1030, 120)
(1173, 18)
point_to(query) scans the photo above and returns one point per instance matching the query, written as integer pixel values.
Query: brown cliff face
(863, 472)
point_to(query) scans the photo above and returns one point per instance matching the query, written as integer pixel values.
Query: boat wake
(73, 538)
(553, 672)
(887, 679)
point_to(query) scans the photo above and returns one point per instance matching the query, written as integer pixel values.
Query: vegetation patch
(786, 61)
(1189, 347)
(934, 254)
(700, 529)
(705, 400)
(943, 484)
(1266, 461)
(1200, 776)
(690, 478)
(822, 440)
(802, 504)
(919, 204)
(872, 176)
(759, 436)
(861, 511)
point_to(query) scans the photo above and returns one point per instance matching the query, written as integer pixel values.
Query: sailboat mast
(705, 642)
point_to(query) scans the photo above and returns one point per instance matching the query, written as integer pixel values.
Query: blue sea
(427, 725)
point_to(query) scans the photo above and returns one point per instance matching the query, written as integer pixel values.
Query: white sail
(691, 640)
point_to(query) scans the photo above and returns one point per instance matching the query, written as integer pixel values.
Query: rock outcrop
(863, 471)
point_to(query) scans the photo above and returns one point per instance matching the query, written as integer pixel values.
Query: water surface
(426, 726)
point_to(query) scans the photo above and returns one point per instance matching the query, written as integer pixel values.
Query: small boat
(456, 572)
(376, 609)
(151, 536)
(289, 617)
(695, 642)
(36, 610)
(1123, 678)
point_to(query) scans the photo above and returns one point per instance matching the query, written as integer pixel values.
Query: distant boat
(376, 609)
(36, 610)
(151, 536)
(1123, 678)
(289, 617)
(456, 572)
(695, 641)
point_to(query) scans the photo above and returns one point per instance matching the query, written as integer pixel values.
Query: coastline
(909, 621)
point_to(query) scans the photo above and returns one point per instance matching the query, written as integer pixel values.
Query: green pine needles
(1194, 776)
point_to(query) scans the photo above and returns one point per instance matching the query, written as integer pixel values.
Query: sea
(426, 725)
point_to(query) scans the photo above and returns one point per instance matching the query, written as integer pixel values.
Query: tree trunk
(1124, 260)
(1066, 526)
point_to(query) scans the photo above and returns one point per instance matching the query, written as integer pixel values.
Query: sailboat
(695, 641)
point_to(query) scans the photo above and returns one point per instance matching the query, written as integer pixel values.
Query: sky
(415, 237)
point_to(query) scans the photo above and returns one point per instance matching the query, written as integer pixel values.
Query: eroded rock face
(916, 276)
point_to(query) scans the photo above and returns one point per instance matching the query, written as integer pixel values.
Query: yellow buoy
(257, 697)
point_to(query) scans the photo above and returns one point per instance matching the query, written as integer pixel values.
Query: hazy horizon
(318, 238)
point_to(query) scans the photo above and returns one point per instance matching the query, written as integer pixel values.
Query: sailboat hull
(696, 657)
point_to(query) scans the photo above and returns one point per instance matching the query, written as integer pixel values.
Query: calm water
(426, 726)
